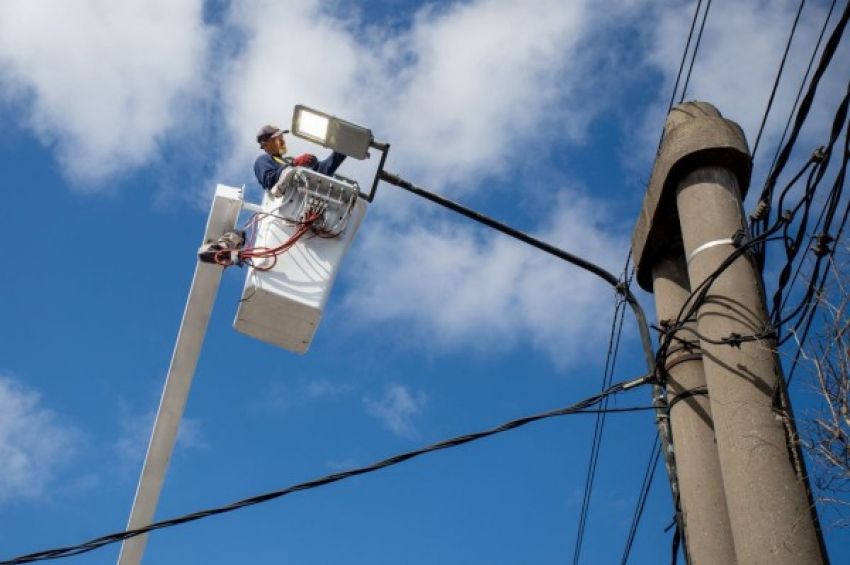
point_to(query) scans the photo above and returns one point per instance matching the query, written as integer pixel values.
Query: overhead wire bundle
(646, 484)
(599, 426)
(583, 406)
(792, 307)
(760, 219)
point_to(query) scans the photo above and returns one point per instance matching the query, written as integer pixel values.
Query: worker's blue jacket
(268, 168)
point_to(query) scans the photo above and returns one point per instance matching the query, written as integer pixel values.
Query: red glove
(305, 160)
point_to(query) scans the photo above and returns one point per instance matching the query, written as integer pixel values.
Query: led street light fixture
(331, 132)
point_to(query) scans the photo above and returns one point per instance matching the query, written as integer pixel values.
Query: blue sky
(120, 118)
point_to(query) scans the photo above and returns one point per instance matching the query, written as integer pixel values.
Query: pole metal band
(709, 245)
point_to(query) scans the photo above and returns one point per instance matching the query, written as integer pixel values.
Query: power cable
(809, 315)
(822, 228)
(637, 310)
(641, 501)
(696, 49)
(760, 221)
(593, 460)
(684, 56)
(681, 67)
(102, 541)
(778, 77)
(802, 85)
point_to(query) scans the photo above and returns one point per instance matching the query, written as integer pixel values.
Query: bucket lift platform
(284, 296)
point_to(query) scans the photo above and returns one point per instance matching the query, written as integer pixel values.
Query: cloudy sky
(120, 117)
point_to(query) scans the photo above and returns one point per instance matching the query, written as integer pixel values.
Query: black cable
(641, 502)
(820, 286)
(607, 375)
(686, 394)
(681, 66)
(778, 78)
(599, 426)
(696, 49)
(616, 410)
(733, 340)
(822, 228)
(637, 310)
(802, 85)
(791, 251)
(827, 213)
(102, 541)
(766, 195)
(684, 55)
(802, 113)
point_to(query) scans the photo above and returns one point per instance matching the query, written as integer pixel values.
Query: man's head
(271, 140)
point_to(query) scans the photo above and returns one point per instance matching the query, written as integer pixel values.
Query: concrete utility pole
(695, 197)
(660, 258)
(708, 535)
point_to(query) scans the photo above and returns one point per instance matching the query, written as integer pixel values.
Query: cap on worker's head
(267, 132)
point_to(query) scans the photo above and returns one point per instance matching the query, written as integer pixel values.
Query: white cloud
(460, 89)
(321, 388)
(101, 81)
(283, 395)
(397, 408)
(456, 289)
(473, 82)
(34, 443)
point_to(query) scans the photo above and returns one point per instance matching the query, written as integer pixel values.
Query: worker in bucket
(269, 166)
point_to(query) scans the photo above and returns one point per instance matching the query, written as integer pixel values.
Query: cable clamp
(734, 339)
(819, 154)
(739, 238)
(636, 382)
(821, 246)
(761, 210)
(622, 288)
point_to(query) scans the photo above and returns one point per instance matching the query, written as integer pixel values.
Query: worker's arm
(330, 165)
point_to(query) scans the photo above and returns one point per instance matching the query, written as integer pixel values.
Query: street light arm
(618, 285)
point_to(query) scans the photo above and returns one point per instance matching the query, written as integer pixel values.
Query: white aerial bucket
(285, 294)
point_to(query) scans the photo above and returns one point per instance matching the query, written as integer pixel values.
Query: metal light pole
(222, 219)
